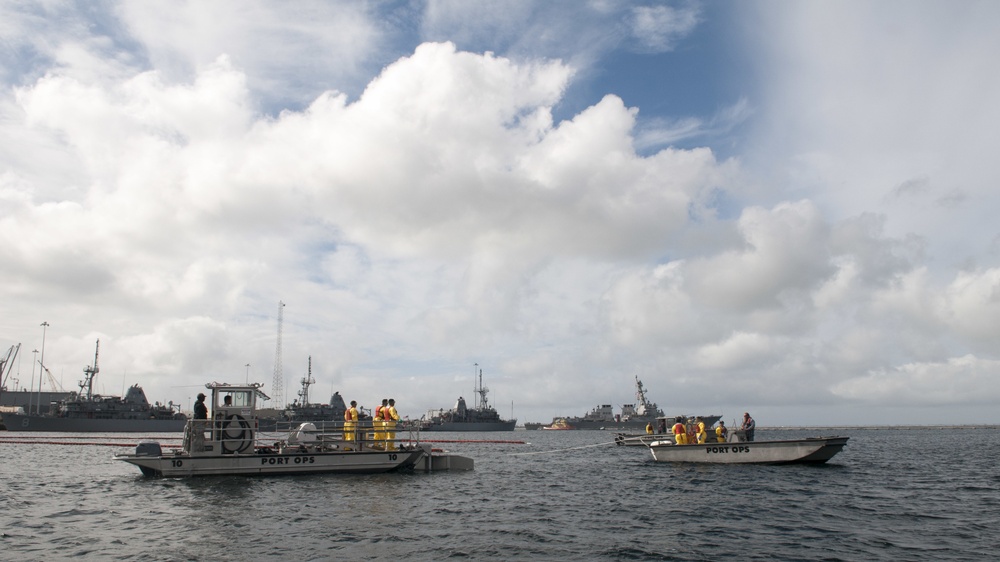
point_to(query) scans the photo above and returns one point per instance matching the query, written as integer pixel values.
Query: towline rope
(67, 440)
(131, 437)
(473, 441)
(41, 442)
(561, 450)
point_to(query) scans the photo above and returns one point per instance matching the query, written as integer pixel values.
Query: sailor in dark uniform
(200, 410)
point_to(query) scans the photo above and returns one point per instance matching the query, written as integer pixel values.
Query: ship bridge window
(238, 399)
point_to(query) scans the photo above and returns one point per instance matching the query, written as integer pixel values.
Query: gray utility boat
(227, 444)
(811, 450)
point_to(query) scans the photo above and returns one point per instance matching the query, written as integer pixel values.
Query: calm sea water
(571, 495)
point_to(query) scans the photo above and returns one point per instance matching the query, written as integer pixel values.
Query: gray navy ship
(92, 413)
(632, 416)
(482, 417)
(302, 410)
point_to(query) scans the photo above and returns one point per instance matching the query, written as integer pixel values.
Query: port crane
(7, 363)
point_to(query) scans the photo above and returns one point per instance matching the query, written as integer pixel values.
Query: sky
(779, 207)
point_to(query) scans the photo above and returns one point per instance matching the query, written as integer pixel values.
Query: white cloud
(658, 28)
(959, 380)
(862, 100)
(164, 194)
(290, 53)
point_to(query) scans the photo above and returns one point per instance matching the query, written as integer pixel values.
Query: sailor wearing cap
(200, 410)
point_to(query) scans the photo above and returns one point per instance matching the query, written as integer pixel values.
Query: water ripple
(891, 495)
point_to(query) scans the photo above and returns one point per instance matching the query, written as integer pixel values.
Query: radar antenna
(89, 372)
(306, 381)
(481, 392)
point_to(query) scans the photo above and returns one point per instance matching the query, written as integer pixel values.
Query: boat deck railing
(246, 436)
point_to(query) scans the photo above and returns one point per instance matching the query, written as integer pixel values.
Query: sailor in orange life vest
(378, 421)
(391, 417)
(351, 421)
(649, 428)
(680, 432)
(721, 433)
(700, 430)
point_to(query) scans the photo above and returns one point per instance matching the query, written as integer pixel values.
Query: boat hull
(345, 462)
(813, 450)
(471, 426)
(20, 422)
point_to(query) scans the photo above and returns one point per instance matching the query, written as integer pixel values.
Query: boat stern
(148, 456)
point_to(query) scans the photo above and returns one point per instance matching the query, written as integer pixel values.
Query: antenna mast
(89, 372)
(481, 391)
(306, 381)
(278, 382)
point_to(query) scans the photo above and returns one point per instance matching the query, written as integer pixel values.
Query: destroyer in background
(89, 412)
(633, 416)
(302, 410)
(462, 418)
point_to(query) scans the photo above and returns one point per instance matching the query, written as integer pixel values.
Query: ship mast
(640, 393)
(306, 381)
(481, 392)
(89, 373)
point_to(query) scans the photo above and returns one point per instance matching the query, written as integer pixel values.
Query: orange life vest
(679, 429)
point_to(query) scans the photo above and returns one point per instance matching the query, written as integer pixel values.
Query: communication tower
(278, 382)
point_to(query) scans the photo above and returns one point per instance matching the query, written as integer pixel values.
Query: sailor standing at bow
(351, 421)
(391, 417)
(378, 422)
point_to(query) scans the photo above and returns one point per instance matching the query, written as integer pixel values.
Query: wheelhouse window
(240, 398)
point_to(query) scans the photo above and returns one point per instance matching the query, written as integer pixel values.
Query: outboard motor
(148, 449)
(306, 433)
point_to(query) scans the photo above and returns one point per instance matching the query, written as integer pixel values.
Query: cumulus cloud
(447, 156)
(164, 195)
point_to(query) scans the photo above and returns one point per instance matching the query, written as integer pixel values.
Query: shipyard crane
(7, 363)
(52, 380)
